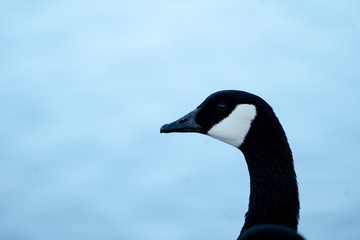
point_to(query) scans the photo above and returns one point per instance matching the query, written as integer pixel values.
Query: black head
(225, 115)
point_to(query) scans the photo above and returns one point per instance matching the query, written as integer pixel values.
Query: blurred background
(86, 85)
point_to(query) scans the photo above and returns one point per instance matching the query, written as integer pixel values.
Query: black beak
(184, 124)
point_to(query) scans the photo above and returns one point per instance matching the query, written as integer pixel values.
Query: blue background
(86, 85)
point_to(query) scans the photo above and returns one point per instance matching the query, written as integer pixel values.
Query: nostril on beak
(183, 120)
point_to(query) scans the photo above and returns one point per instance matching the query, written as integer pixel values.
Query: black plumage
(274, 198)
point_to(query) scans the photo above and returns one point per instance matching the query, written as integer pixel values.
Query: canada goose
(247, 122)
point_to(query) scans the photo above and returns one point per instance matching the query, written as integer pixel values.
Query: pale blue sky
(86, 85)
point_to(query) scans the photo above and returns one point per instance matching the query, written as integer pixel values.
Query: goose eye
(221, 106)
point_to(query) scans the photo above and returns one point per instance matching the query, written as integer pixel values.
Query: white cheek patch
(234, 128)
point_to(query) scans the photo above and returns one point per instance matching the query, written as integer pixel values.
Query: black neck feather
(274, 197)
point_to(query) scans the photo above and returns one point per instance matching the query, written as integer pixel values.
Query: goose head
(225, 115)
